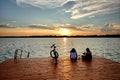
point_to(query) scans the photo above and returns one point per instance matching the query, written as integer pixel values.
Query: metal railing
(16, 55)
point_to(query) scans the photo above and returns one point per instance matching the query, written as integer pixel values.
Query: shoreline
(1, 61)
(77, 36)
(44, 69)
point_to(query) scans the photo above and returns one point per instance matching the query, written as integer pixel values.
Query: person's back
(87, 55)
(73, 54)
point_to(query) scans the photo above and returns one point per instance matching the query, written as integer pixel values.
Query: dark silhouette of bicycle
(54, 54)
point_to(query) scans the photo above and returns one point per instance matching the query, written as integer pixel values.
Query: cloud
(62, 25)
(44, 3)
(88, 27)
(86, 14)
(111, 28)
(78, 8)
(91, 16)
(5, 26)
(13, 21)
(40, 26)
(87, 8)
(66, 26)
(71, 28)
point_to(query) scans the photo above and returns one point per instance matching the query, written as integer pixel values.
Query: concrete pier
(45, 69)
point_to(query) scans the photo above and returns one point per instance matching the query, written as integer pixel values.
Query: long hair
(87, 49)
(73, 50)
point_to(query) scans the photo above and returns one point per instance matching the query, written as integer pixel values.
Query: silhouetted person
(73, 54)
(87, 55)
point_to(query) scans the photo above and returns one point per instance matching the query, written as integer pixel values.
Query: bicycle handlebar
(53, 46)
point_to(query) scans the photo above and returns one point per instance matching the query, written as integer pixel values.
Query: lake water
(40, 47)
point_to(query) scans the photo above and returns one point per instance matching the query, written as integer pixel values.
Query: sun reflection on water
(65, 39)
(65, 44)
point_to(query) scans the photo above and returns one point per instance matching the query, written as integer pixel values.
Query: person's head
(73, 50)
(87, 49)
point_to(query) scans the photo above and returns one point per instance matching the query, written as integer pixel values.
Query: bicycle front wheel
(54, 54)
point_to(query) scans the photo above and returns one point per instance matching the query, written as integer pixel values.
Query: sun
(64, 32)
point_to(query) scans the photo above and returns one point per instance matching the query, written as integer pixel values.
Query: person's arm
(76, 54)
(70, 54)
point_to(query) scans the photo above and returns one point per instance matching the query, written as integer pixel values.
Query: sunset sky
(59, 17)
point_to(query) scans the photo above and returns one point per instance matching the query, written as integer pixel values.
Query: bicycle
(53, 53)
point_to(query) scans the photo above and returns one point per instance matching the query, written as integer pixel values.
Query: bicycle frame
(54, 52)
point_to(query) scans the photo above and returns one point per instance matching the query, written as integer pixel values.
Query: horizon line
(43, 36)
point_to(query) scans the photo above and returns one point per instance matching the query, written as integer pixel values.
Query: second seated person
(73, 54)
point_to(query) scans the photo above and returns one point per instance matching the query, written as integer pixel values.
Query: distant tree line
(52, 36)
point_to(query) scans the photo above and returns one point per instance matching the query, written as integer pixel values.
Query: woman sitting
(73, 54)
(87, 55)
